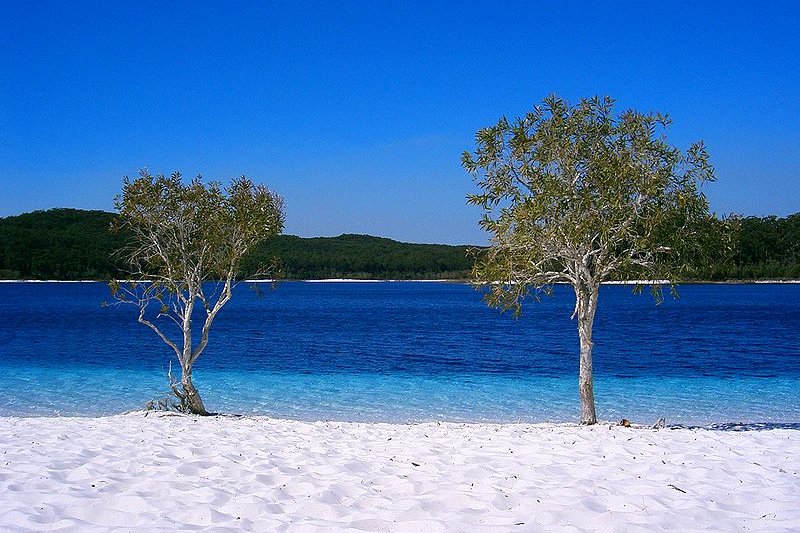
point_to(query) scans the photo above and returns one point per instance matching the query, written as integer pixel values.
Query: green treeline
(764, 248)
(63, 244)
(72, 244)
(361, 257)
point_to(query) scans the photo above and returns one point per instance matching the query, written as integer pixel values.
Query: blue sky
(357, 112)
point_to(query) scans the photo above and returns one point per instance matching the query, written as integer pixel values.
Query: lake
(403, 351)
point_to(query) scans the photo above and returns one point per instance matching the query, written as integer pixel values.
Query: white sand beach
(172, 473)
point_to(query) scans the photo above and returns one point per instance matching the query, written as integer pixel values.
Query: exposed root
(168, 403)
(183, 405)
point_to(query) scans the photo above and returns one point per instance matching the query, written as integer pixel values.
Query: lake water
(413, 352)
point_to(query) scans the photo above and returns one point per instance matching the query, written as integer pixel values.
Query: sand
(173, 473)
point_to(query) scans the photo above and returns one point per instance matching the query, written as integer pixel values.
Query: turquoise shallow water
(410, 352)
(375, 397)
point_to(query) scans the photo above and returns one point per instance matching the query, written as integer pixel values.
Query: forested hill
(71, 244)
(360, 256)
(60, 244)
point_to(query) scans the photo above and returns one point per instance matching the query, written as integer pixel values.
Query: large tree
(577, 194)
(186, 242)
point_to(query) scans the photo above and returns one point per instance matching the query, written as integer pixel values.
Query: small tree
(577, 195)
(185, 246)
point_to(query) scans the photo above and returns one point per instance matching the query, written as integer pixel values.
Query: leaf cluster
(182, 235)
(187, 233)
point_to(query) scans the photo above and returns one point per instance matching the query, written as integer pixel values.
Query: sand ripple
(168, 473)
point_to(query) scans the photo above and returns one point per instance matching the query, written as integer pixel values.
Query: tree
(574, 194)
(185, 245)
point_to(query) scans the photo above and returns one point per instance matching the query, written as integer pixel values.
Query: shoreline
(734, 426)
(455, 281)
(168, 472)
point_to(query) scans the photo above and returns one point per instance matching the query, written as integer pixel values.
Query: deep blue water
(415, 351)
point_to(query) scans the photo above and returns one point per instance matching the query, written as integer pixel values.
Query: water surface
(415, 351)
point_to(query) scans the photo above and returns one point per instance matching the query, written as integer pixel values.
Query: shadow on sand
(740, 426)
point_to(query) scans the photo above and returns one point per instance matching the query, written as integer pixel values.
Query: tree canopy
(576, 194)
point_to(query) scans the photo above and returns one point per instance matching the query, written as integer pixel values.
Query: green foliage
(74, 244)
(763, 248)
(54, 242)
(360, 257)
(61, 244)
(185, 230)
(577, 194)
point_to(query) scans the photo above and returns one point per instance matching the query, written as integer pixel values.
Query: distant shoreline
(457, 281)
(332, 280)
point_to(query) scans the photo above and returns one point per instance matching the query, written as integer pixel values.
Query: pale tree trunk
(187, 393)
(189, 396)
(192, 397)
(585, 307)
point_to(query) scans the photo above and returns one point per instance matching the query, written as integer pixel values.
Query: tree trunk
(192, 397)
(586, 307)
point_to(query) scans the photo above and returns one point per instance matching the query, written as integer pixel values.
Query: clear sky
(357, 112)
